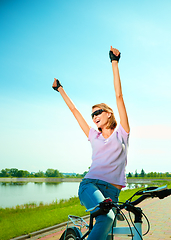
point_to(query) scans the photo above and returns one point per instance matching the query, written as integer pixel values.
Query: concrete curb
(44, 230)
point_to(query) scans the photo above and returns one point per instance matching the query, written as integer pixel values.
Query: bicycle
(74, 233)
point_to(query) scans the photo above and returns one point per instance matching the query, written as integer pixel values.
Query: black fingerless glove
(113, 57)
(58, 85)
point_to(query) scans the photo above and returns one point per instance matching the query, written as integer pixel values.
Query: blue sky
(70, 40)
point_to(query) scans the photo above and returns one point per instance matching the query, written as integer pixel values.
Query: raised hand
(56, 84)
(114, 54)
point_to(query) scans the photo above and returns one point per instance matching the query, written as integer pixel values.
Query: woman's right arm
(83, 124)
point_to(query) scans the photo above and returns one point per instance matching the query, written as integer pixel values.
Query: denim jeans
(91, 192)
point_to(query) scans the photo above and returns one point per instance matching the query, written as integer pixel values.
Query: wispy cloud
(151, 132)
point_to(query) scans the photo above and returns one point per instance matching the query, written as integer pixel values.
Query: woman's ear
(109, 115)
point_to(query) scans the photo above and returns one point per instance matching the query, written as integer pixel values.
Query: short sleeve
(92, 134)
(122, 134)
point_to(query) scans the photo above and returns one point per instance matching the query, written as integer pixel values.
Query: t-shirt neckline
(108, 137)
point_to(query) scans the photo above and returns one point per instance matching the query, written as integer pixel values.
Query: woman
(106, 176)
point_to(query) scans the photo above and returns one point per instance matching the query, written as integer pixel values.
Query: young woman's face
(101, 120)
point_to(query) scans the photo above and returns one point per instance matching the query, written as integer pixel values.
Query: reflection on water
(53, 183)
(136, 185)
(38, 183)
(25, 183)
(13, 183)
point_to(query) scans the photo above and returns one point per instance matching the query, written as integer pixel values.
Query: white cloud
(158, 132)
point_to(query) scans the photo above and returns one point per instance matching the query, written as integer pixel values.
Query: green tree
(136, 174)
(57, 173)
(142, 174)
(13, 172)
(83, 175)
(129, 174)
(26, 174)
(39, 174)
(79, 175)
(20, 173)
(5, 172)
(53, 173)
(168, 174)
(49, 172)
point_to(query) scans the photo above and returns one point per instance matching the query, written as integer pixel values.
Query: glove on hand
(113, 57)
(58, 85)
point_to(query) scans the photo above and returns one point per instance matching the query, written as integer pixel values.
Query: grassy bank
(29, 217)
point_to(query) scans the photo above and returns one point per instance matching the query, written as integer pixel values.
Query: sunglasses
(97, 112)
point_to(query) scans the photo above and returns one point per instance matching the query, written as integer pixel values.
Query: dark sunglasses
(97, 112)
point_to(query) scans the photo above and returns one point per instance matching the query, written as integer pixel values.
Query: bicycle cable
(134, 225)
(132, 220)
(127, 223)
(113, 224)
(147, 223)
(130, 199)
(123, 215)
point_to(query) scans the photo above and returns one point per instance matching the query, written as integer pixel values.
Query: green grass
(28, 218)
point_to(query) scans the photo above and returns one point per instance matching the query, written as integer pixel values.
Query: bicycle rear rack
(77, 221)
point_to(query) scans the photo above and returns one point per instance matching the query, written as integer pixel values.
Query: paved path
(157, 211)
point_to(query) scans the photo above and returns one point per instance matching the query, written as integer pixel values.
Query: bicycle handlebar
(151, 190)
(160, 192)
(92, 209)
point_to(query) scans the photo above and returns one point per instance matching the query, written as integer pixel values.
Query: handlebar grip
(163, 194)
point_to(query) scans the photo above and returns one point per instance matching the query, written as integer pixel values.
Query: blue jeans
(91, 192)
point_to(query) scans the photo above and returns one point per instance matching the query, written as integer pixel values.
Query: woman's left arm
(118, 92)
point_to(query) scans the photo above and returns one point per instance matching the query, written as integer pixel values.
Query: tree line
(14, 172)
(142, 174)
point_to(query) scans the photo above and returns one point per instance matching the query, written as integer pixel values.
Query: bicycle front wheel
(71, 234)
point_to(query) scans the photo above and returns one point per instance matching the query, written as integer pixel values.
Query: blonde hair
(112, 121)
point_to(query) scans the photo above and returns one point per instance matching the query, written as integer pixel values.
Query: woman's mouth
(97, 121)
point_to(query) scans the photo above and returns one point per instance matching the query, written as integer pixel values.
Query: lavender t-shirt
(109, 156)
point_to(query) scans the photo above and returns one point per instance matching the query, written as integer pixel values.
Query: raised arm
(83, 124)
(118, 89)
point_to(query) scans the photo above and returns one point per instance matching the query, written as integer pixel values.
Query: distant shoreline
(129, 180)
(40, 179)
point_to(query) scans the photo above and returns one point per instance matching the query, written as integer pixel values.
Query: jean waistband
(97, 181)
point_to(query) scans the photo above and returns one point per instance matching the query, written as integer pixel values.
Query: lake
(13, 194)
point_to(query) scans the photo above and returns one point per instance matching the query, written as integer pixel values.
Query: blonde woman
(106, 176)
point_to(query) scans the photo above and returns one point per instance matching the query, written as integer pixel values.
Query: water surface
(13, 194)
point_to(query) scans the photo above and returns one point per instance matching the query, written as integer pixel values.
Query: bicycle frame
(128, 231)
(135, 232)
